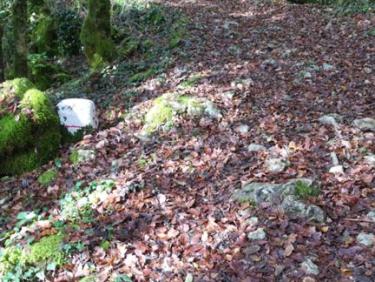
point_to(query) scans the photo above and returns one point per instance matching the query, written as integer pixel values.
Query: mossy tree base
(29, 135)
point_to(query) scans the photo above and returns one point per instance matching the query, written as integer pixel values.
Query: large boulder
(29, 127)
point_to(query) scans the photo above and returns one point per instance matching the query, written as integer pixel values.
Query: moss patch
(160, 115)
(29, 135)
(48, 249)
(16, 87)
(24, 263)
(303, 190)
(47, 177)
(168, 106)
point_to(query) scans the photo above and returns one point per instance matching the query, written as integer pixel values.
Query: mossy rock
(47, 177)
(170, 105)
(29, 131)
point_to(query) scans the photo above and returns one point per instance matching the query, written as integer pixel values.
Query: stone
(330, 119)
(308, 279)
(337, 169)
(256, 148)
(309, 267)
(82, 156)
(211, 110)
(258, 234)
(285, 193)
(370, 159)
(189, 278)
(365, 124)
(275, 165)
(328, 67)
(167, 107)
(242, 128)
(371, 215)
(76, 114)
(366, 239)
(297, 209)
(258, 192)
(252, 221)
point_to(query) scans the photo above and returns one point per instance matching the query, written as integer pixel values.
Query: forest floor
(273, 71)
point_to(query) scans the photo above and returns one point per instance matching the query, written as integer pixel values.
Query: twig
(359, 220)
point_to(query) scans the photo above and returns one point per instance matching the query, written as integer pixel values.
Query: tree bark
(19, 20)
(1, 54)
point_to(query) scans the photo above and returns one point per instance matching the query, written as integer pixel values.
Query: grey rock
(275, 165)
(258, 234)
(309, 267)
(328, 67)
(371, 215)
(242, 128)
(330, 119)
(335, 160)
(252, 221)
(370, 159)
(189, 277)
(256, 148)
(366, 239)
(211, 110)
(337, 169)
(297, 209)
(258, 192)
(85, 155)
(365, 124)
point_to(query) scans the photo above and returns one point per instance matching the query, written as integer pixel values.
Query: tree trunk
(19, 20)
(96, 33)
(1, 54)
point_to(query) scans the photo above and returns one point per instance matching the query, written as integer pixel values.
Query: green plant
(303, 190)
(191, 81)
(79, 204)
(31, 262)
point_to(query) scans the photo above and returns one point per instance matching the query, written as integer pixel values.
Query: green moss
(91, 278)
(23, 264)
(128, 46)
(31, 138)
(48, 249)
(191, 81)
(160, 115)
(79, 156)
(47, 177)
(9, 259)
(44, 34)
(303, 190)
(74, 157)
(14, 133)
(16, 87)
(96, 32)
(141, 76)
(19, 163)
(169, 105)
(41, 107)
